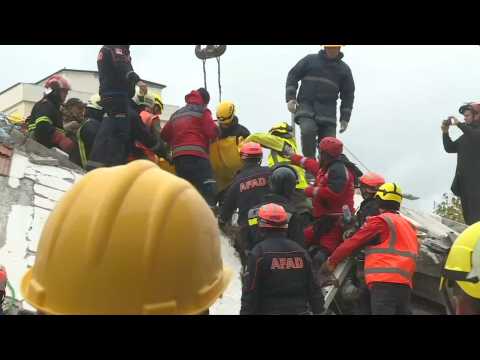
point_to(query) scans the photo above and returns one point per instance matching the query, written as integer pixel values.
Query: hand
(455, 121)
(327, 268)
(445, 126)
(343, 126)
(292, 106)
(143, 88)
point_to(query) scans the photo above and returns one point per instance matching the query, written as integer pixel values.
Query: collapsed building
(33, 178)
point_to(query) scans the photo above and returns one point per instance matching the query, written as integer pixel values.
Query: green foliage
(450, 207)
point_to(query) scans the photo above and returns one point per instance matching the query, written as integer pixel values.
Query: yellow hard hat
(94, 102)
(390, 192)
(281, 128)
(130, 239)
(226, 112)
(462, 262)
(158, 101)
(144, 100)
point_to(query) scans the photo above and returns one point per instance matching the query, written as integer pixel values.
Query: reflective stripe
(302, 162)
(209, 181)
(81, 147)
(391, 251)
(304, 114)
(195, 114)
(393, 232)
(399, 271)
(39, 120)
(189, 148)
(321, 79)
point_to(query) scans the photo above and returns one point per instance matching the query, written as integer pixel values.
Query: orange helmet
(273, 216)
(372, 180)
(251, 150)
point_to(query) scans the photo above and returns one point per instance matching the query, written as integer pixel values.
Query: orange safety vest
(394, 259)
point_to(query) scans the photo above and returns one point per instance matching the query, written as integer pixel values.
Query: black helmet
(283, 180)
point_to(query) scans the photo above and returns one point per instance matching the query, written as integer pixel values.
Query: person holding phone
(466, 183)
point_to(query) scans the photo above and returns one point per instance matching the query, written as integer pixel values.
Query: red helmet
(273, 216)
(372, 180)
(57, 82)
(251, 150)
(3, 278)
(332, 146)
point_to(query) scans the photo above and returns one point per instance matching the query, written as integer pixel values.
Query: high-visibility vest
(394, 259)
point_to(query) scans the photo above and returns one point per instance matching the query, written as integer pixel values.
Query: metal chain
(204, 74)
(219, 82)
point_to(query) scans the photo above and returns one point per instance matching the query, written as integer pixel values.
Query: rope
(219, 82)
(204, 74)
(356, 158)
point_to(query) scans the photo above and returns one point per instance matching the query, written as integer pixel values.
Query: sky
(402, 95)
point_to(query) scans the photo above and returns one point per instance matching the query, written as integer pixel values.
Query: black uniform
(117, 85)
(295, 222)
(247, 189)
(235, 129)
(278, 279)
(45, 120)
(466, 183)
(323, 79)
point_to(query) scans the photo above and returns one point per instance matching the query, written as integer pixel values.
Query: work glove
(343, 126)
(292, 106)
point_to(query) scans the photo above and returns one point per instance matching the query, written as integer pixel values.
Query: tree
(450, 207)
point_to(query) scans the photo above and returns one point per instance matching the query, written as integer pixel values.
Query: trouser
(313, 125)
(199, 173)
(390, 299)
(113, 142)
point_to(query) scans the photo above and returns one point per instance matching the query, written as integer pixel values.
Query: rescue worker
(248, 187)
(369, 185)
(224, 153)
(333, 189)
(189, 133)
(87, 132)
(145, 105)
(3, 286)
(158, 105)
(391, 248)
(354, 287)
(461, 274)
(278, 278)
(279, 140)
(73, 113)
(466, 183)
(281, 184)
(324, 77)
(117, 86)
(151, 246)
(45, 123)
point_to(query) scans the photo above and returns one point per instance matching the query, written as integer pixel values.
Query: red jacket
(334, 186)
(190, 129)
(394, 252)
